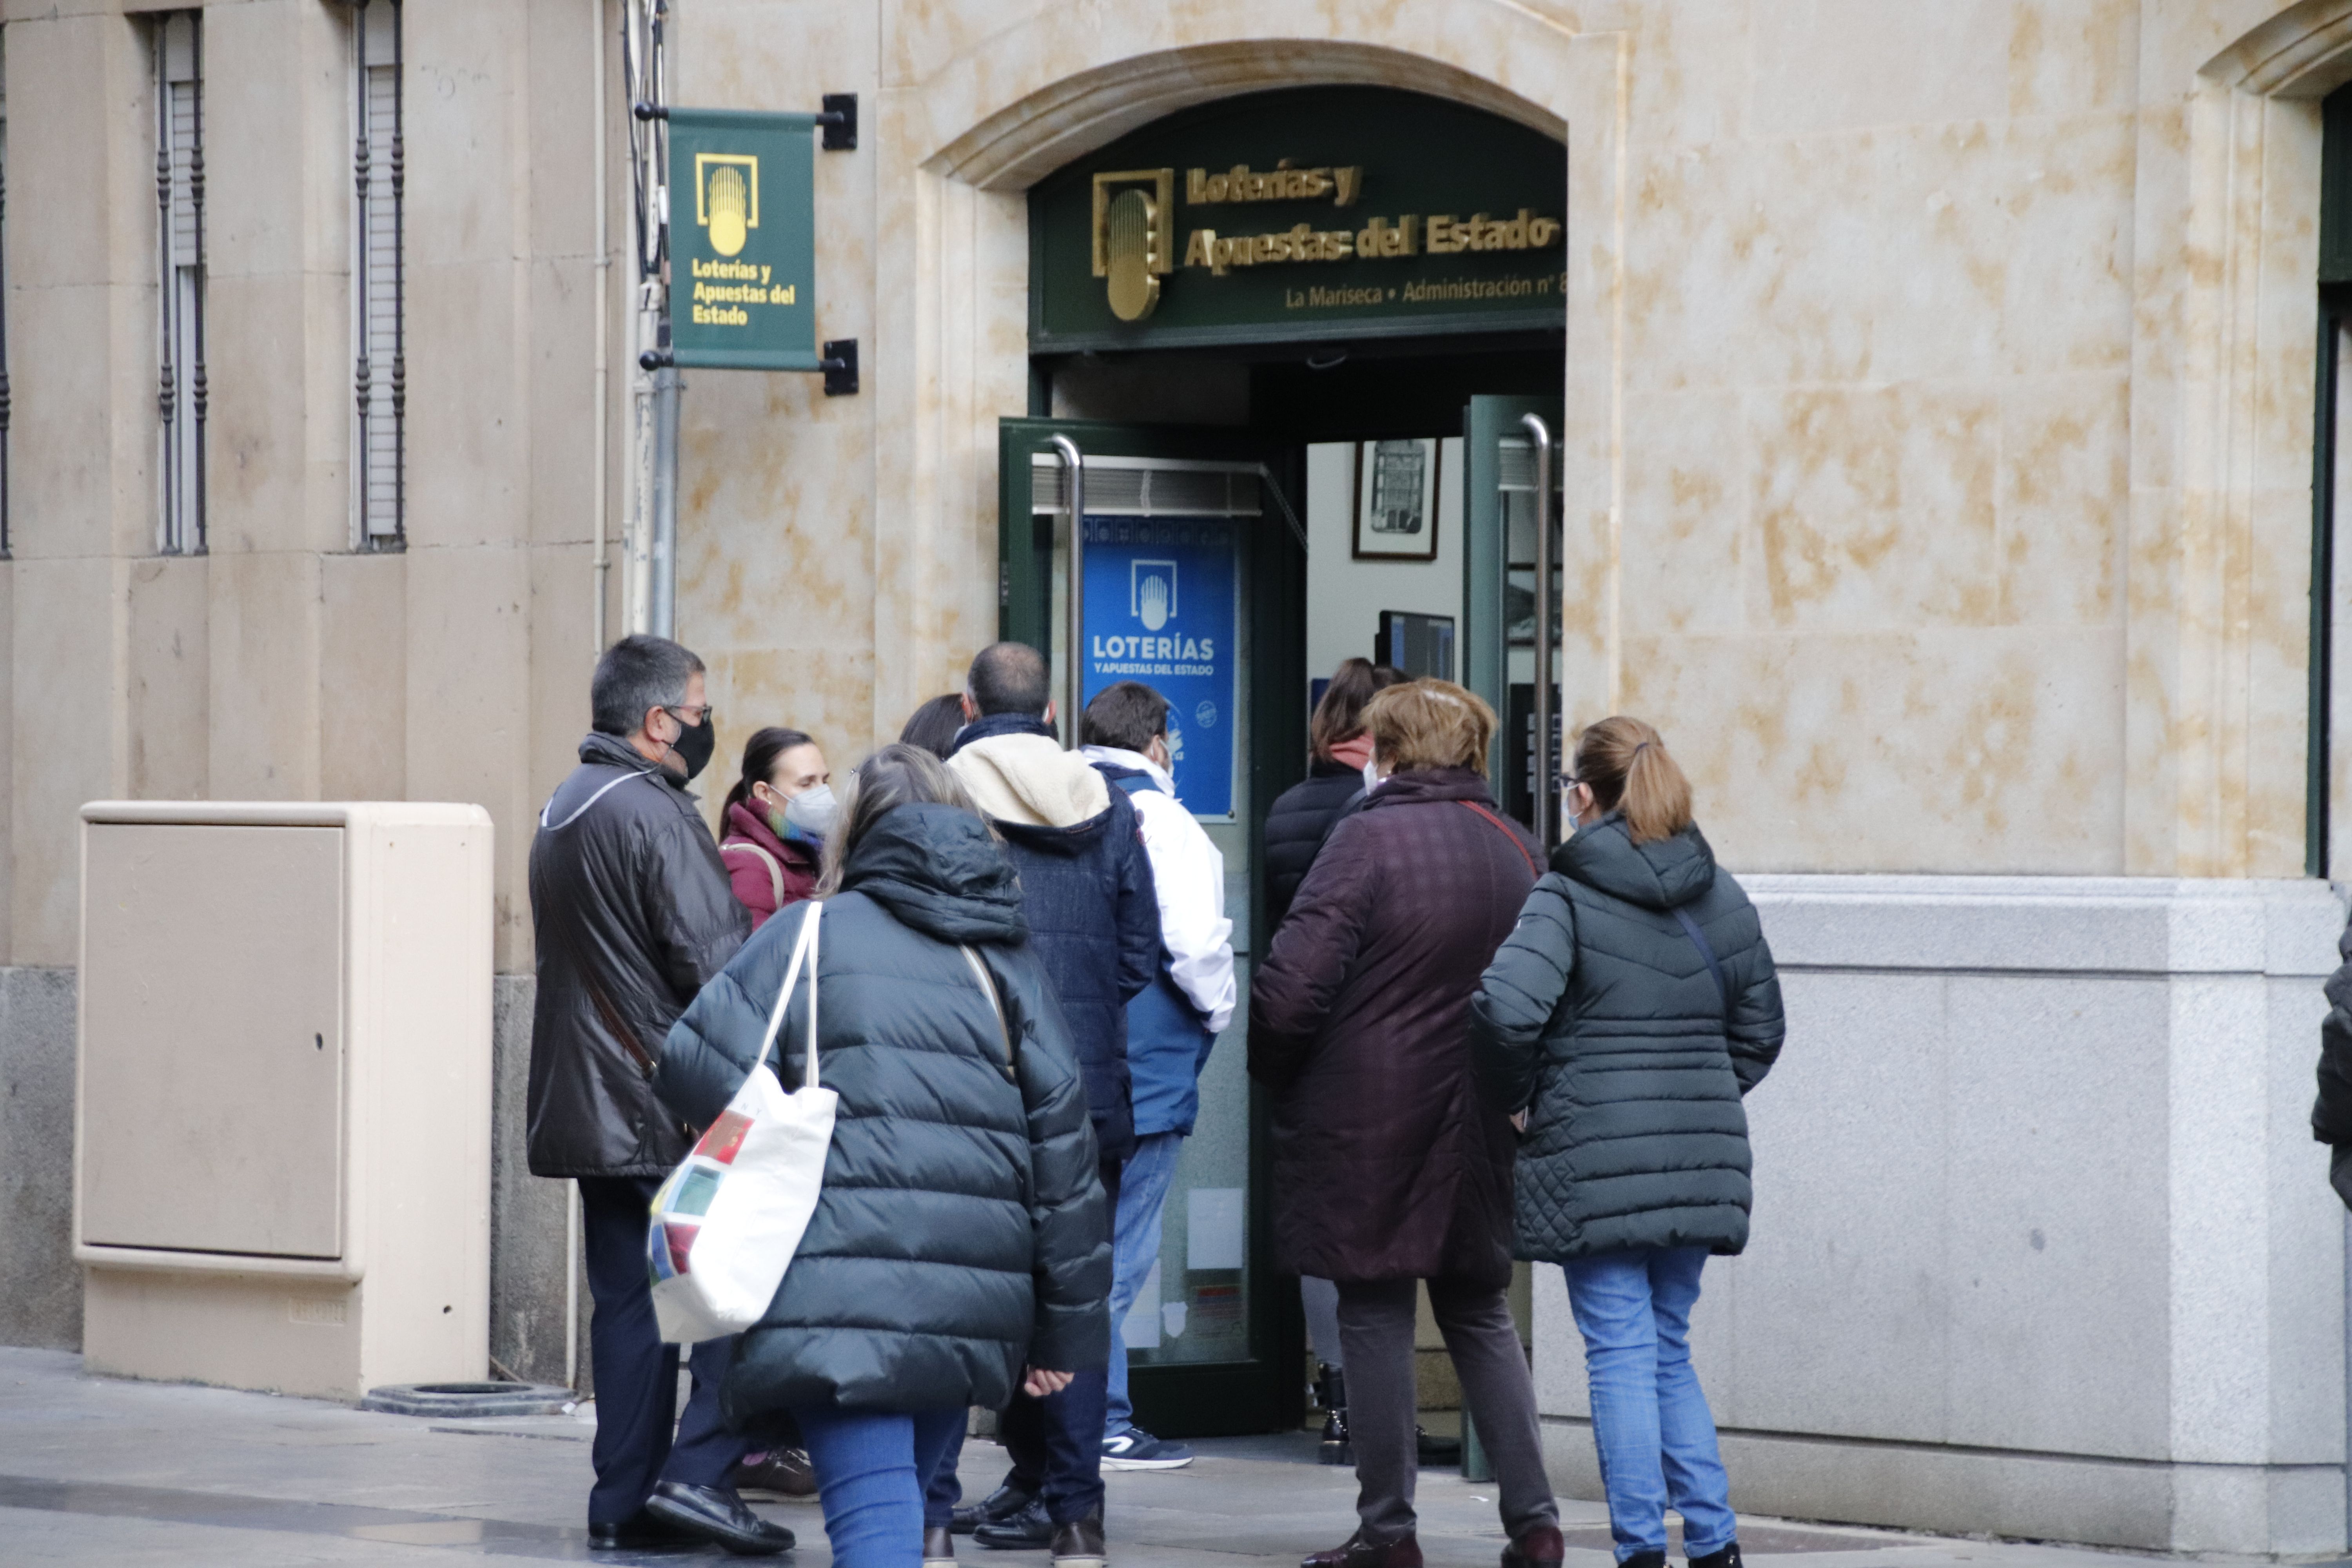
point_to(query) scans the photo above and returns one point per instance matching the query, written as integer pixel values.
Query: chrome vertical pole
(663, 568)
(1546, 790)
(1074, 463)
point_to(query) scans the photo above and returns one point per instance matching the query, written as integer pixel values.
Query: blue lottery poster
(1160, 609)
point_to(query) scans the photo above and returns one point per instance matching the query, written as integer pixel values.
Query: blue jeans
(872, 1467)
(1649, 1422)
(1135, 1248)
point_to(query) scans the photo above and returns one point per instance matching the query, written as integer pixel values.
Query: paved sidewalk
(93, 1470)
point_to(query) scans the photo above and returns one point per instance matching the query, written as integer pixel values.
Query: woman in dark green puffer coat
(962, 1233)
(1627, 1014)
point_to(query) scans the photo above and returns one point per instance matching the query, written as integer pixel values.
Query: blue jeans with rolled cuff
(1651, 1426)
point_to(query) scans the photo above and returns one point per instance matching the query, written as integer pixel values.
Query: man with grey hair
(634, 915)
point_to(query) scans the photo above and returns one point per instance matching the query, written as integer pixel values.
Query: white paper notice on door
(1140, 1331)
(1213, 1227)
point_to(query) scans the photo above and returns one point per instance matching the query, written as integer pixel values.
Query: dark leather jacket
(634, 914)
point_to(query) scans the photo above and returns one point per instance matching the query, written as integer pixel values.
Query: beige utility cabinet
(282, 1134)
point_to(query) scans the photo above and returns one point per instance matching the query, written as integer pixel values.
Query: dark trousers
(1376, 1327)
(1057, 1443)
(636, 1373)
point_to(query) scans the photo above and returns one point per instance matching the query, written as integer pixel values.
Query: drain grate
(446, 1401)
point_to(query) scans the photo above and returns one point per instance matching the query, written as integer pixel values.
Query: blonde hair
(1430, 724)
(1623, 762)
(898, 774)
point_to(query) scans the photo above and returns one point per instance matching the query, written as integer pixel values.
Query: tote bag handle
(805, 948)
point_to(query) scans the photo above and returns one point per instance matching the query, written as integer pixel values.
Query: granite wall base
(2043, 1245)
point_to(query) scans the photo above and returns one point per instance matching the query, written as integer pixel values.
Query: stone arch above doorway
(2305, 51)
(1024, 142)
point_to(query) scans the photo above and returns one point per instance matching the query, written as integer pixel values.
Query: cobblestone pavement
(94, 1471)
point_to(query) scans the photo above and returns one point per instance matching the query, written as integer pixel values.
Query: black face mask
(694, 745)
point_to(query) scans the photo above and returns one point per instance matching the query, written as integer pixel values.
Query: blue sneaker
(1136, 1449)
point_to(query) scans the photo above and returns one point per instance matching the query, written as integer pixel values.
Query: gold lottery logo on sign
(726, 198)
(1133, 213)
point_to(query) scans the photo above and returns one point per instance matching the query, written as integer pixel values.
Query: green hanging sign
(742, 239)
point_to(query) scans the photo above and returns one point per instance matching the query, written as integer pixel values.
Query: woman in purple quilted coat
(1389, 1168)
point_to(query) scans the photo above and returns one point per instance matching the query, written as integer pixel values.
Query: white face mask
(813, 811)
(1371, 777)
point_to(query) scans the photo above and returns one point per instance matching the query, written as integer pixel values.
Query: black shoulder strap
(1698, 940)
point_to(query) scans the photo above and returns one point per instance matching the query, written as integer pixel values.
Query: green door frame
(1265, 1394)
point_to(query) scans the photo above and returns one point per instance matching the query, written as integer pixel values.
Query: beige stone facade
(1939, 383)
(1939, 380)
(1939, 391)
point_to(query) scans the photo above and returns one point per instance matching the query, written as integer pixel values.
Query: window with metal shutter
(180, 196)
(381, 371)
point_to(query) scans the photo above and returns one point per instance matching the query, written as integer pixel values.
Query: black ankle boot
(1724, 1556)
(1324, 1390)
(1336, 1449)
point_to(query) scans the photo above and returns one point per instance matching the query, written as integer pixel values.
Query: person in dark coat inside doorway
(632, 915)
(1389, 1168)
(1338, 753)
(959, 1247)
(1338, 756)
(1094, 921)
(1632, 1008)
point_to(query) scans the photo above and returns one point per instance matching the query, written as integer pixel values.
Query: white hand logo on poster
(1151, 593)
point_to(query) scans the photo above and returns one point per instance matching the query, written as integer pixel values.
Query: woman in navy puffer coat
(961, 1234)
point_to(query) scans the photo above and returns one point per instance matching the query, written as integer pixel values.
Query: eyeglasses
(679, 712)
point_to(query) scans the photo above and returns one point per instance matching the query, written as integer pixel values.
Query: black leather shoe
(1026, 1530)
(1644, 1560)
(713, 1513)
(780, 1473)
(997, 1506)
(1355, 1552)
(1079, 1543)
(1724, 1556)
(938, 1546)
(640, 1531)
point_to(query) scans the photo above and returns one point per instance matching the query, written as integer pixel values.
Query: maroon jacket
(1387, 1163)
(753, 879)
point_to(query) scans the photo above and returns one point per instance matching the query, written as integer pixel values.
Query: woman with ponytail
(775, 820)
(1632, 1007)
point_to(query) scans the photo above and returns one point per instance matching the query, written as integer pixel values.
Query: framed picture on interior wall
(1396, 500)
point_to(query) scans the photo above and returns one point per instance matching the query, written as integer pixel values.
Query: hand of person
(1037, 1382)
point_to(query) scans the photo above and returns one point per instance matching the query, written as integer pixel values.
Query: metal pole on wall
(1545, 788)
(1074, 464)
(663, 574)
(645, 63)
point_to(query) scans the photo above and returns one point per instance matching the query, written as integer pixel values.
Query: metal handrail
(1075, 461)
(1545, 780)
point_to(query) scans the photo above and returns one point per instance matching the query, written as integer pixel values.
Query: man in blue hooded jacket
(1094, 921)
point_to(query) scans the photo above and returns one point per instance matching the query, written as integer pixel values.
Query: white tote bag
(727, 1221)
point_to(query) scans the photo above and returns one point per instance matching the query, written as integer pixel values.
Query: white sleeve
(1190, 872)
